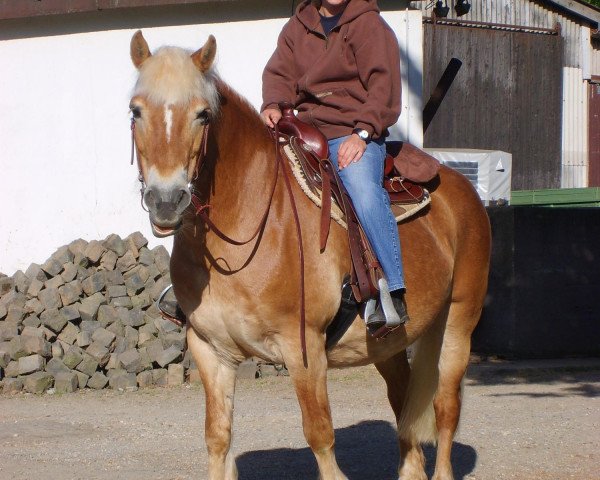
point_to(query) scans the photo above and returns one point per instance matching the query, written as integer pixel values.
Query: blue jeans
(364, 182)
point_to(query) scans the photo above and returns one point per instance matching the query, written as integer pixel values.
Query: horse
(241, 299)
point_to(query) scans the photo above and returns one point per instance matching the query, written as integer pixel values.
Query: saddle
(310, 150)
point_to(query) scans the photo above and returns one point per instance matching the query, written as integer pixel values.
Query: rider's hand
(351, 150)
(270, 116)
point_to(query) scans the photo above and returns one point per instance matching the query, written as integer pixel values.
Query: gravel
(519, 422)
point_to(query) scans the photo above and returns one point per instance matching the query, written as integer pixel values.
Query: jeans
(364, 182)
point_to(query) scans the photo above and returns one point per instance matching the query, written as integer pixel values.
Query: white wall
(575, 144)
(64, 127)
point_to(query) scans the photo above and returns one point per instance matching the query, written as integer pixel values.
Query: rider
(338, 63)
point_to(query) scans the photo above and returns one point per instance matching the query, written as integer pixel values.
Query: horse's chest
(238, 331)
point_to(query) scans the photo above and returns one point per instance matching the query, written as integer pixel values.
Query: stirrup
(175, 314)
(392, 319)
(380, 332)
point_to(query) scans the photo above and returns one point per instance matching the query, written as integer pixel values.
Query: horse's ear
(203, 58)
(139, 49)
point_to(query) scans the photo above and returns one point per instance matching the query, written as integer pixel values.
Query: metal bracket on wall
(440, 91)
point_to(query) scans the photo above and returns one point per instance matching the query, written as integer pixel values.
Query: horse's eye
(136, 112)
(203, 116)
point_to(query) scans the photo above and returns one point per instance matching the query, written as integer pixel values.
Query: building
(529, 85)
(525, 86)
(64, 93)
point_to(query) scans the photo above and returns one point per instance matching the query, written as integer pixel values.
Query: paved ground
(527, 420)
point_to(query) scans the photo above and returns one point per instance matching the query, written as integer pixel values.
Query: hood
(309, 16)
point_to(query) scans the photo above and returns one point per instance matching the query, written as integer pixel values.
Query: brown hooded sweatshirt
(349, 79)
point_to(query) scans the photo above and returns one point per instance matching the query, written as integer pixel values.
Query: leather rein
(201, 211)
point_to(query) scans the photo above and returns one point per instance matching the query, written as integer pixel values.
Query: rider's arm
(378, 61)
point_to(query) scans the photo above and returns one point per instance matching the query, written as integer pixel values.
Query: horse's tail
(417, 422)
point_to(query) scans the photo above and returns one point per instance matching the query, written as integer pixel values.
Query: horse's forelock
(169, 76)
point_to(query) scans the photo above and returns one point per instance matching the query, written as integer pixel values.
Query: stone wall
(86, 318)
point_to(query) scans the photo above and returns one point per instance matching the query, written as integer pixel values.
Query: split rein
(201, 209)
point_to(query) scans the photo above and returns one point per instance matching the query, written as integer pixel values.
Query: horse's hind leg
(396, 373)
(219, 385)
(454, 359)
(468, 293)
(310, 383)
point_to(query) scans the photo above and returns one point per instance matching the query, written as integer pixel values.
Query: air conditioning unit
(488, 170)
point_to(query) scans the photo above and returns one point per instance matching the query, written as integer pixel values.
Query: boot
(377, 319)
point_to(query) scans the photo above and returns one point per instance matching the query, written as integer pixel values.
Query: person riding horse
(338, 63)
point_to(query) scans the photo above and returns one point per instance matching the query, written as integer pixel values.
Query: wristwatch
(362, 134)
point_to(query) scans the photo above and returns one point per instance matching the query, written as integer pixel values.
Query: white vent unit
(488, 170)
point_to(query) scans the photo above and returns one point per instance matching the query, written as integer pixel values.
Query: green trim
(581, 197)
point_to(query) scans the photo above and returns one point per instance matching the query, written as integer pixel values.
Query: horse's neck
(242, 145)
(242, 165)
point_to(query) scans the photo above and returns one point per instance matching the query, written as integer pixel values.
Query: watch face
(362, 133)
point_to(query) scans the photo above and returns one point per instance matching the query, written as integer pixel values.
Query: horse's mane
(228, 95)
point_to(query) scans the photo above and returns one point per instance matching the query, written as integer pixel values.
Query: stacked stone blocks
(86, 318)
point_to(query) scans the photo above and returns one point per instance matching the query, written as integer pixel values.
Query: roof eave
(11, 9)
(583, 11)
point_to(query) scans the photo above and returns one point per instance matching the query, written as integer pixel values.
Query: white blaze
(168, 121)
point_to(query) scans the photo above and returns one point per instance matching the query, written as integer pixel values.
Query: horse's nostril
(183, 200)
(150, 198)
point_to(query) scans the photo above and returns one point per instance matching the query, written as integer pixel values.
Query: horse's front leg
(310, 382)
(219, 387)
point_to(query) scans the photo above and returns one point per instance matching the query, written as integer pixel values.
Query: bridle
(139, 165)
(201, 211)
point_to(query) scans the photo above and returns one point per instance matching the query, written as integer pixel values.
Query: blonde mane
(170, 77)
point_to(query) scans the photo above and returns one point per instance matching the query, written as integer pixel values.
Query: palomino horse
(242, 300)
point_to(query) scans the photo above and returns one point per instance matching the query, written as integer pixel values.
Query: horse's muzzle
(166, 208)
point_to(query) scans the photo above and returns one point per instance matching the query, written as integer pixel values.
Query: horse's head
(174, 99)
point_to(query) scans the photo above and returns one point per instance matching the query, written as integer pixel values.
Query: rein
(201, 209)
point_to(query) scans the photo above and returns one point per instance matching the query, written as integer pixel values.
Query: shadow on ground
(367, 450)
(582, 382)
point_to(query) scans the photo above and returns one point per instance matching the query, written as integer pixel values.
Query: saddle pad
(401, 211)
